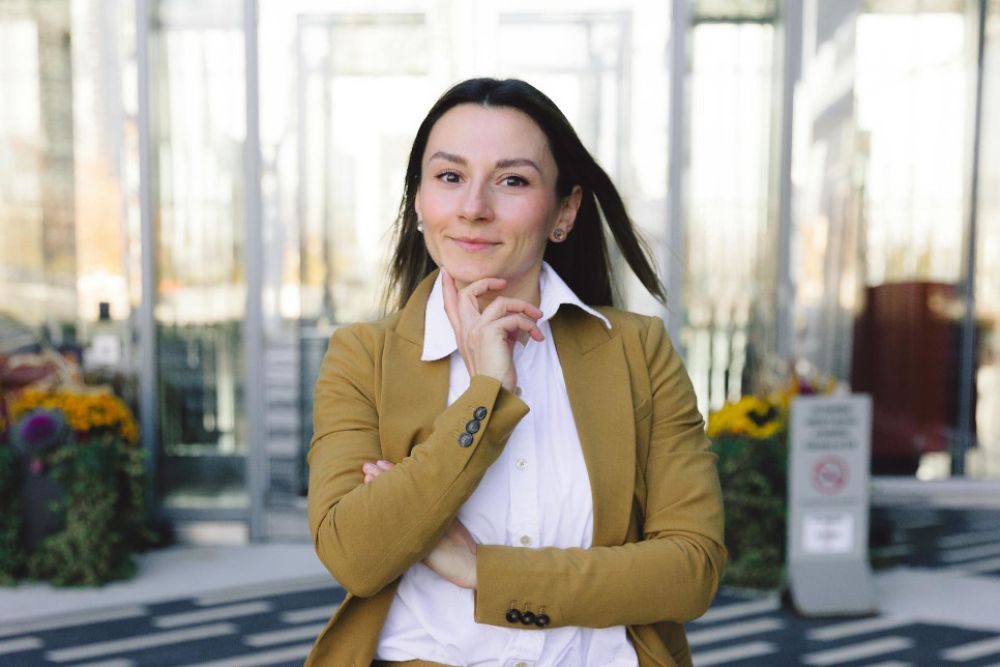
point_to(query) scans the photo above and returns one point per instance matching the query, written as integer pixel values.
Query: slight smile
(473, 244)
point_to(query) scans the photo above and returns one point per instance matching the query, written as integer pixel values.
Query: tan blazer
(658, 545)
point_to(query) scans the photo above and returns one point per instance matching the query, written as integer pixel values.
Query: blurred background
(194, 194)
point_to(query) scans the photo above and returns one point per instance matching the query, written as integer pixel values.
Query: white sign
(829, 461)
(828, 533)
(104, 350)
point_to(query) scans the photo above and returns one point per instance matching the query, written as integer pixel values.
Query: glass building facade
(214, 184)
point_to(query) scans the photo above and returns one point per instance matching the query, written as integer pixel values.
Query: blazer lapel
(597, 379)
(416, 391)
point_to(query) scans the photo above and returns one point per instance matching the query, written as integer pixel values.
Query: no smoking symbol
(829, 474)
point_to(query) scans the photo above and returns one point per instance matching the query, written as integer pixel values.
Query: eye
(448, 177)
(514, 180)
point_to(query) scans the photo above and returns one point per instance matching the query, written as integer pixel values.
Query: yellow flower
(84, 410)
(751, 416)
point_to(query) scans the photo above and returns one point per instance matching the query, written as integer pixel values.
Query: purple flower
(39, 431)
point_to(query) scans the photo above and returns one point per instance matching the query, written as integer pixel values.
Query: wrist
(473, 579)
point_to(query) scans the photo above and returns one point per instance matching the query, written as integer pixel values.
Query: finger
(521, 337)
(385, 465)
(484, 285)
(450, 293)
(503, 305)
(467, 304)
(512, 324)
(369, 478)
(468, 298)
(373, 470)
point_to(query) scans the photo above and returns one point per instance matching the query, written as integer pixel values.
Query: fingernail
(384, 465)
(368, 467)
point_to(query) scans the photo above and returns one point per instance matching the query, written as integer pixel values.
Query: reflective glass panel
(913, 108)
(198, 133)
(343, 90)
(886, 112)
(731, 80)
(38, 255)
(984, 461)
(67, 129)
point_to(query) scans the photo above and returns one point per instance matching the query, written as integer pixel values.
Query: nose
(476, 205)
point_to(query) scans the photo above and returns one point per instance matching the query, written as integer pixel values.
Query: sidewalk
(939, 604)
(169, 574)
(934, 595)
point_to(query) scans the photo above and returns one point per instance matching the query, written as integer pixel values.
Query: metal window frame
(253, 256)
(965, 437)
(680, 24)
(149, 420)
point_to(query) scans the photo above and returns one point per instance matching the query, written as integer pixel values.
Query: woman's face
(487, 196)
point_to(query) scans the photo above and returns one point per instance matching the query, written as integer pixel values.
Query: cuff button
(513, 616)
(480, 413)
(527, 618)
(472, 426)
(542, 620)
(465, 440)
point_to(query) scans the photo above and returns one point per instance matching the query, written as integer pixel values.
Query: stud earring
(420, 226)
(558, 235)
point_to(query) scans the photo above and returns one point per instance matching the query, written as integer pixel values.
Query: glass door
(198, 116)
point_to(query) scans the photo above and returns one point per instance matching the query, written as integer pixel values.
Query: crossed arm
(369, 534)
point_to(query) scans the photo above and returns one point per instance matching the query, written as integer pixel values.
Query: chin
(465, 271)
(470, 274)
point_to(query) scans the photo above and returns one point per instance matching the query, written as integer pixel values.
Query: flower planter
(72, 488)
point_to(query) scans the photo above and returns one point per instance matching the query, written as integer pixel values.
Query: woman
(508, 470)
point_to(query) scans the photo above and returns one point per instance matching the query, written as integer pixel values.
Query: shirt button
(517, 391)
(521, 464)
(525, 540)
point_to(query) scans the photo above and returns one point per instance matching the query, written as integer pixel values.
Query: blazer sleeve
(672, 574)
(367, 535)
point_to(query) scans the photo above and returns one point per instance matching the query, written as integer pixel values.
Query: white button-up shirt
(536, 494)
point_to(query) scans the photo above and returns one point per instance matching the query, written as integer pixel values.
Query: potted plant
(750, 437)
(73, 454)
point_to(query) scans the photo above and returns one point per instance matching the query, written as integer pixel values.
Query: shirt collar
(439, 337)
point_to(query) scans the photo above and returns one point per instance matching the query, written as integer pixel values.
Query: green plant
(750, 437)
(10, 515)
(87, 442)
(753, 473)
(103, 510)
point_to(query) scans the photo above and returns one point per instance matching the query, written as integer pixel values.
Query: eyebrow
(501, 164)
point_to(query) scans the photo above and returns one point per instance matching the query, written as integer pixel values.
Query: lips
(471, 244)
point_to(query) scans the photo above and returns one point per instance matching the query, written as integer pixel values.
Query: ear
(416, 205)
(568, 209)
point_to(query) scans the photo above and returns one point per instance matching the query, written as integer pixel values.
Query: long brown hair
(582, 259)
